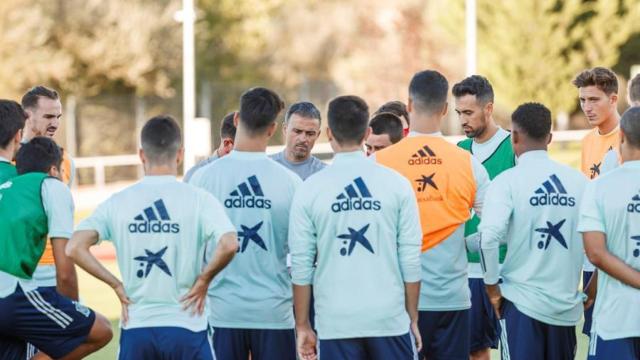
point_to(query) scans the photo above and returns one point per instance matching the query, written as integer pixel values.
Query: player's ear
(54, 171)
(142, 156)
(613, 98)
(409, 105)
(549, 138)
(367, 133)
(445, 109)
(329, 135)
(236, 118)
(272, 128)
(488, 109)
(180, 155)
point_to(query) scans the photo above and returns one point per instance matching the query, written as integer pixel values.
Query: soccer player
(12, 119)
(491, 145)
(386, 130)
(159, 228)
(227, 137)
(301, 129)
(533, 207)
(58, 326)
(634, 91)
(366, 238)
(44, 110)
(399, 109)
(610, 226)
(448, 182)
(251, 310)
(598, 93)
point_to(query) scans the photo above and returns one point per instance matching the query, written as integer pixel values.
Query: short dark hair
(474, 85)
(12, 118)
(348, 119)
(227, 127)
(387, 123)
(38, 155)
(303, 109)
(160, 138)
(397, 108)
(603, 78)
(534, 119)
(259, 108)
(428, 91)
(634, 89)
(30, 99)
(630, 125)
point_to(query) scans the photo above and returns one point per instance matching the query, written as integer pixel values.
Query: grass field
(101, 298)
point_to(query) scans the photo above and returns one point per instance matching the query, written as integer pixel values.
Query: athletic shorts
(525, 338)
(51, 322)
(619, 349)
(371, 348)
(483, 322)
(262, 344)
(164, 343)
(445, 334)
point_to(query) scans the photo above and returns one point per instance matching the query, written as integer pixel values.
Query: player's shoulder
(590, 136)
(465, 144)
(278, 172)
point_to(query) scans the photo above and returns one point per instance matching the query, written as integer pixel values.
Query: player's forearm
(301, 304)
(615, 267)
(78, 250)
(224, 253)
(411, 298)
(67, 283)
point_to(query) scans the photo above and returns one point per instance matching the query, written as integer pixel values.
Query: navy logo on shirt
(154, 219)
(552, 192)
(595, 170)
(425, 181)
(249, 194)
(634, 205)
(425, 156)
(149, 260)
(636, 251)
(250, 234)
(355, 198)
(551, 231)
(352, 238)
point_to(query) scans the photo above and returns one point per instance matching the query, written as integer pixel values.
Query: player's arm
(302, 244)
(66, 277)
(58, 205)
(78, 249)
(493, 228)
(223, 254)
(409, 238)
(482, 180)
(595, 244)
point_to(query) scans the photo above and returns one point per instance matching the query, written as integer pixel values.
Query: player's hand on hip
(416, 335)
(306, 343)
(196, 298)
(124, 301)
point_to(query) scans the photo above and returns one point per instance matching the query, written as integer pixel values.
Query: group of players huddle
(416, 249)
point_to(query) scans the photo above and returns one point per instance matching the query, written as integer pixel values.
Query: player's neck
(161, 170)
(630, 154)
(608, 125)
(254, 144)
(7, 153)
(425, 124)
(337, 148)
(27, 134)
(489, 132)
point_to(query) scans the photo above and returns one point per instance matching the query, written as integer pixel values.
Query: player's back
(542, 268)
(364, 219)
(159, 232)
(615, 198)
(254, 291)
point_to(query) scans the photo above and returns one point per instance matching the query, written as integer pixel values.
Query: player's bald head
(630, 125)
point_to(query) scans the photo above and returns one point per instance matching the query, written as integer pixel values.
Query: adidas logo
(634, 205)
(148, 221)
(248, 196)
(355, 198)
(552, 192)
(425, 156)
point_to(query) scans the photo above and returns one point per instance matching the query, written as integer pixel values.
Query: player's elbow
(229, 244)
(596, 255)
(72, 249)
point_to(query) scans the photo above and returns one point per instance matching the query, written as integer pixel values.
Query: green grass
(101, 298)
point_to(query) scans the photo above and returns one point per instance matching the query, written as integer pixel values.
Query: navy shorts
(164, 343)
(370, 348)
(445, 334)
(483, 322)
(49, 321)
(588, 314)
(525, 338)
(619, 349)
(262, 344)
